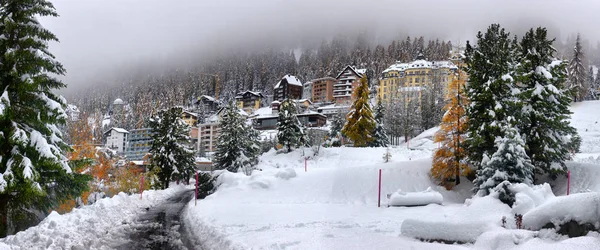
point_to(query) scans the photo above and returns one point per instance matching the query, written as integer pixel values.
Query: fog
(99, 38)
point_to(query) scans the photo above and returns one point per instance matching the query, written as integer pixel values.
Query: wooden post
(379, 191)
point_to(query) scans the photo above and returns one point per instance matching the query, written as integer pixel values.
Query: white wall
(116, 141)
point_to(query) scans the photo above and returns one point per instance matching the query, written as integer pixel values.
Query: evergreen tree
(171, 155)
(34, 173)
(508, 165)
(360, 124)
(544, 125)
(488, 65)
(290, 132)
(380, 138)
(577, 73)
(237, 145)
(335, 130)
(593, 91)
(448, 160)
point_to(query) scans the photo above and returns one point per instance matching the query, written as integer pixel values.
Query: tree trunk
(3, 215)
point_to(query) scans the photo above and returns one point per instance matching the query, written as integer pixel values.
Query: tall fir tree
(508, 165)
(361, 123)
(335, 130)
(380, 138)
(171, 155)
(577, 72)
(237, 145)
(593, 88)
(290, 132)
(34, 173)
(488, 65)
(544, 101)
(449, 159)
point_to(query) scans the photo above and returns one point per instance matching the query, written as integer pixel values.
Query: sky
(101, 37)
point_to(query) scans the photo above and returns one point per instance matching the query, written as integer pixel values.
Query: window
(417, 80)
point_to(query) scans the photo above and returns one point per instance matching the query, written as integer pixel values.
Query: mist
(100, 39)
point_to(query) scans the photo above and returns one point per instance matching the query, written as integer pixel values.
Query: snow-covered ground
(102, 225)
(334, 204)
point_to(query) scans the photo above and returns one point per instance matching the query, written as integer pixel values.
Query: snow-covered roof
(333, 106)
(118, 101)
(397, 67)
(359, 72)
(305, 100)
(263, 111)
(190, 113)
(118, 130)
(445, 64)
(240, 95)
(72, 108)
(420, 64)
(210, 98)
(292, 80)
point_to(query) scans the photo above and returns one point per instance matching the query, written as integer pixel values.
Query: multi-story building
(289, 87)
(116, 139)
(307, 91)
(322, 90)
(415, 76)
(346, 83)
(249, 100)
(209, 132)
(139, 143)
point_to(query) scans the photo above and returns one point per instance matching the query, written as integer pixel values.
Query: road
(161, 227)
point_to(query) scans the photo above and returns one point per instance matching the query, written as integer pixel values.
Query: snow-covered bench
(423, 198)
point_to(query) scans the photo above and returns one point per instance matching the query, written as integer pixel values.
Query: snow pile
(586, 120)
(582, 207)
(462, 232)
(505, 239)
(426, 197)
(527, 197)
(101, 225)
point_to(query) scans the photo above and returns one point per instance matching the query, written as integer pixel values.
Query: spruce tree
(380, 138)
(237, 145)
(448, 160)
(335, 129)
(488, 65)
(360, 125)
(544, 122)
(290, 132)
(171, 154)
(577, 73)
(593, 88)
(34, 173)
(508, 165)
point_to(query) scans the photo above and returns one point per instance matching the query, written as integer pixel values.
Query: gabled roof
(290, 79)
(358, 72)
(191, 113)
(119, 130)
(241, 94)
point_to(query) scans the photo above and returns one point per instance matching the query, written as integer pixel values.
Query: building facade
(322, 90)
(138, 144)
(209, 132)
(289, 87)
(249, 100)
(307, 91)
(346, 82)
(190, 118)
(116, 139)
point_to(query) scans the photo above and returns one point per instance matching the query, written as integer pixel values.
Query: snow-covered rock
(463, 231)
(426, 197)
(582, 208)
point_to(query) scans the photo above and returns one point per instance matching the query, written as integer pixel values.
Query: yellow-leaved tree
(361, 123)
(448, 159)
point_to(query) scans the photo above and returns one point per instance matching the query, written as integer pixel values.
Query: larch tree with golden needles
(361, 123)
(448, 159)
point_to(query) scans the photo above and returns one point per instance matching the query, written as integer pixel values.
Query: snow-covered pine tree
(508, 165)
(290, 132)
(544, 124)
(337, 124)
(360, 125)
(34, 174)
(593, 91)
(237, 145)
(448, 160)
(577, 73)
(171, 155)
(488, 65)
(380, 138)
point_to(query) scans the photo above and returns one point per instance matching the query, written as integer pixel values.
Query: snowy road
(161, 227)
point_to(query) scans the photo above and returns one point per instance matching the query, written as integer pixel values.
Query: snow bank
(463, 231)
(582, 207)
(101, 225)
(529, 197)
(426, 197)
(504, 239)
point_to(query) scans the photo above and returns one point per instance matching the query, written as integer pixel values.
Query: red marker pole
(141, 186)
(568, 182)
(196, 197)
(379, 192)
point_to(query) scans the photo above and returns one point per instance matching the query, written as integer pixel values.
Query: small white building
(116, 139)
(73, 112)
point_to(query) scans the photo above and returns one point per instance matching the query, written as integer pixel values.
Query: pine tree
(448, 160)
(290, 132)
(509, 165)
(544, 122)
(488, 65)
(172, 156)
(380, 138)
(593, 88)
(237, 145)
(34, 173)
(360, 124)
(577, 73)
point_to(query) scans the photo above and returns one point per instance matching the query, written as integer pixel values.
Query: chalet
(208, 103)
(346, 83)
(190, 118)
(249, 100)
(289, 87)
(116, 139)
